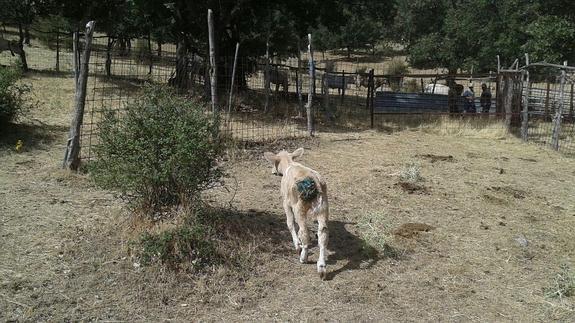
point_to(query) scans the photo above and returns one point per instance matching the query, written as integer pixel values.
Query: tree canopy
(452, 34)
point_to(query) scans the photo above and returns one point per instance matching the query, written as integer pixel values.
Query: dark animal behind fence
(278, 78)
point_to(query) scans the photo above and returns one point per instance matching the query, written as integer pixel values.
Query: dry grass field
(426, 225)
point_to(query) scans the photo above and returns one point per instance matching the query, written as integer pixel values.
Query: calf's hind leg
(303, 233)
(323, 235)
(291, 227)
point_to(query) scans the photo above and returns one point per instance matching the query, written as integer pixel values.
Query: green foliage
(552, 39)
(397, 67)
(184, 248)
(464, 34)
(161, 151)
(12, 95)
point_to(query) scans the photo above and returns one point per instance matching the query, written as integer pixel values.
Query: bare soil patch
(410, 230)
(435, 158)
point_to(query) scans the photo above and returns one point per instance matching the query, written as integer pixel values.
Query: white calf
(304, 196)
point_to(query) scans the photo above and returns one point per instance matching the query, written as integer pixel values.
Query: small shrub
(563, 284)
(12, 95)
(411, 173)
(161, 151)
(183, 248)
(397, 67)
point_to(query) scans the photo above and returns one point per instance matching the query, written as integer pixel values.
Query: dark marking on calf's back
(307, 189)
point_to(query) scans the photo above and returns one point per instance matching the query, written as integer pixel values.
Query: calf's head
(282, 160)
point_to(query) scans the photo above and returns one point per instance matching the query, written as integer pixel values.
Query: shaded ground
(497, 239)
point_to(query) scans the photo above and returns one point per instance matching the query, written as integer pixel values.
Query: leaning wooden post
(527, 86)
(559, 113)
(72, 156)
(213, 66)
(233, 78)
(311, 87)
(76, 50)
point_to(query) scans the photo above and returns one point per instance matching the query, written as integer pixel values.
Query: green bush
(12, 102)
(160, 151)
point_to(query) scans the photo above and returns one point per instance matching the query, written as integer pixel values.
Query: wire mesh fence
(547, 101)
(262, 100)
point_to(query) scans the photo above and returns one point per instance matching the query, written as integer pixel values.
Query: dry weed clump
(563, 284)
(374, 232)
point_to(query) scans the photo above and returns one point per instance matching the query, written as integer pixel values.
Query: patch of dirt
(413, 188)
(411, 230)
(509, 191)
(435, 158)
(494, 199)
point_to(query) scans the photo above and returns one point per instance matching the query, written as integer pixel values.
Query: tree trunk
(21, 46)
(27, 35)
(109, 57)
(150, 56)
(159, 48)
(213, 65)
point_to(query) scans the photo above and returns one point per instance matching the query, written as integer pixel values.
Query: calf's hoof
(322, 272)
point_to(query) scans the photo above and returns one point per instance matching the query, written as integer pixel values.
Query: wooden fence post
(311, 88)
(233, 78)
(299, 81)
(267, 77)
(213, 66)
(571, 104)
(343, 85)
(527, 86)
(325, 93)
(370, 95)
(72, 156)
(547, 101)
(57, 51)
(559, 113)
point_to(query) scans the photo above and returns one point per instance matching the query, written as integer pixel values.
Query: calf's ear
(271, 157)
(297, 153)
